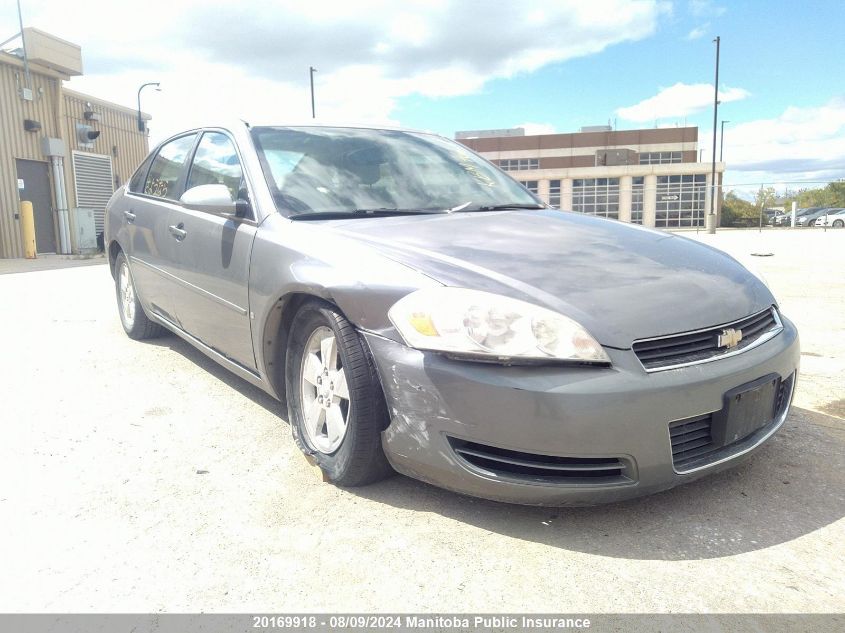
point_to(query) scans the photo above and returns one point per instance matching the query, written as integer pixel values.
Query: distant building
(63, 151)
(651, 176)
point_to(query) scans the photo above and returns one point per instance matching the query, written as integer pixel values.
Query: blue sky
(447, 65)
(783, 55)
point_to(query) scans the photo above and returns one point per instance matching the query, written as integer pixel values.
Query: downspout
(57, 164)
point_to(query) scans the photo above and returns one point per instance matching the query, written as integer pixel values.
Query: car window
(166, 170)
(216, 162)
(136, 183)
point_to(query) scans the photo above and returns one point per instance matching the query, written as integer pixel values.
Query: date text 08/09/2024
(419, 622)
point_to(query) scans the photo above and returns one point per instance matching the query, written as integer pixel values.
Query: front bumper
(621, 412)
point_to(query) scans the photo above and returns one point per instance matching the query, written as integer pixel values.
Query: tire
(838, 224)
(341, 434)
(132, 316)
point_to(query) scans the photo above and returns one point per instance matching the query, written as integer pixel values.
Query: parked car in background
(781, 219)
(417, 308)
(834, 218)
(785, 219)
(809, 219)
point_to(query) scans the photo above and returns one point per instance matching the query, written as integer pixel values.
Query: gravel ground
(142, 477)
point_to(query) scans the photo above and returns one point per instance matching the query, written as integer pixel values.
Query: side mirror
(215, 199)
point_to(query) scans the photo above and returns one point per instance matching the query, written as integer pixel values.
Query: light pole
(722, 141)
(141, 126)
(711, 217)
(311, 71)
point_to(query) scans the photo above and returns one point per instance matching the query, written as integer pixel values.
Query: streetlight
(311, 71)
(141, 126)
(711, 217)
(722, 141)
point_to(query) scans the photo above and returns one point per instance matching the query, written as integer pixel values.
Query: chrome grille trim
(764, 337)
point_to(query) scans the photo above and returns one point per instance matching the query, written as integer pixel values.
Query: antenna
(25, 59)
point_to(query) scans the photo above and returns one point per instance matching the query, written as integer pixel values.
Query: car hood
(622, 282)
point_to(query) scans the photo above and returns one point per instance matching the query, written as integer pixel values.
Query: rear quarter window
(136, 183)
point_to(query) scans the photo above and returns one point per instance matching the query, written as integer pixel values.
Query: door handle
(130, 217)
(177, 231)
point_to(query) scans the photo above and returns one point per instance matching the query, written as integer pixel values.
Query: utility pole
(711, 217)
(311, 71)
(722, 141)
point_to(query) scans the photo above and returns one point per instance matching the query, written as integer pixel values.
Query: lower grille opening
(693, 438)
(545, 468)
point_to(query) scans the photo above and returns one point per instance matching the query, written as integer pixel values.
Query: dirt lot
(142, 477)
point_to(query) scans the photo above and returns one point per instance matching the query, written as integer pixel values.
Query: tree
(735, 210)
(831, 195)
(765, 197)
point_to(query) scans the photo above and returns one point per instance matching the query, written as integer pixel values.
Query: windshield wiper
(359, 213)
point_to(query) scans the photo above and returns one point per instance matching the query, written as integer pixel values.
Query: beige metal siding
(58, 110)
(119, 138)
(17, 143)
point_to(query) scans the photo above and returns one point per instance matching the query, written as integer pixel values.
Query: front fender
(295, 259)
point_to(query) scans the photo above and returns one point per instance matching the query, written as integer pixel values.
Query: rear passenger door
(213, 256)
(147, 213)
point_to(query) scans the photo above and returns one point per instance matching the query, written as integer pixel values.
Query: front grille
(693, 438)
(543, 468)
(702, 345)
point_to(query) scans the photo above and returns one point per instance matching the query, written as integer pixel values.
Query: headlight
(482, 324)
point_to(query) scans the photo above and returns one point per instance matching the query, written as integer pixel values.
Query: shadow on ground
(252, 392)
(794, 486)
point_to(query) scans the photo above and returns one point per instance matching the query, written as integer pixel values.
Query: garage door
(92, 175)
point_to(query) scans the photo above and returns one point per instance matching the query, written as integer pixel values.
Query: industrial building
(63, 151)
(653, 177)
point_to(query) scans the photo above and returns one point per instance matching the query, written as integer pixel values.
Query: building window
(519, 164)
(680, 201)
(596, 196)
(660, 158)
(554, 193)
(637, 187)
(531, 185)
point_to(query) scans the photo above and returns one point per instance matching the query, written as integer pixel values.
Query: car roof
(323, 123)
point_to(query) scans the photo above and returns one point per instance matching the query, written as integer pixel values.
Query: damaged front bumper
(554, 435)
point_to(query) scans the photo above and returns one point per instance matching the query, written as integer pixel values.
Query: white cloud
(706, 8)
(217, 59)
(801, 144)
(678, 101)
(698, 31)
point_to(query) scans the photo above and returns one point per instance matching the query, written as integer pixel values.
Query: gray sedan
(416, 309)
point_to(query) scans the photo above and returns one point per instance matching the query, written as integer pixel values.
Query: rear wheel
(335, 403)
(132, 316)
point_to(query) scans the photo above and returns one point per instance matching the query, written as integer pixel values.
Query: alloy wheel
(325, 393)
(126, 294)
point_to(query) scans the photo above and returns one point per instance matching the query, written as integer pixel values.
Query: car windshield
(313, 170)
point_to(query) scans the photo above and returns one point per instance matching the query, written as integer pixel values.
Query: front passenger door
(213, 257)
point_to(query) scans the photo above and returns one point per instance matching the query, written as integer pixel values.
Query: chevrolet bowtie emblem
(729, 338)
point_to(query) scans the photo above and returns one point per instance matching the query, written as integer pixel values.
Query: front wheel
(335, 404)
(838, 224)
